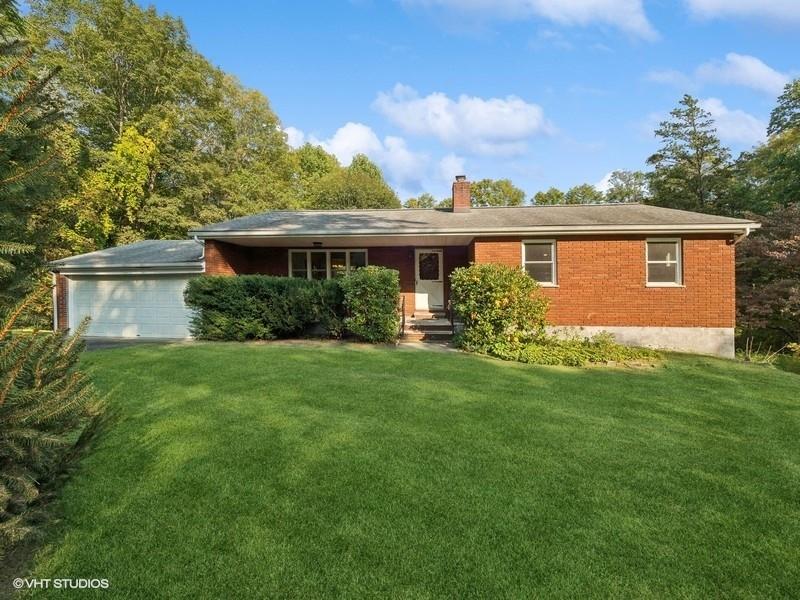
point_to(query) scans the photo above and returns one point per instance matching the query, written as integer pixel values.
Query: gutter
(741, 236)
(553, 229)
(145, 269)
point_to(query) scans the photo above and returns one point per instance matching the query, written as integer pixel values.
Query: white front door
(429, 272)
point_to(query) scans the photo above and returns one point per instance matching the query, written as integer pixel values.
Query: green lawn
(324, 470)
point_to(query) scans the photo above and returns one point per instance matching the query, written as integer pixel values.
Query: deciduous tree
(627, 186)
(551, 196)
(585, 193)
(496, 192)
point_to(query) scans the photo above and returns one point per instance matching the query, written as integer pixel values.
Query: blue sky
(544, 92)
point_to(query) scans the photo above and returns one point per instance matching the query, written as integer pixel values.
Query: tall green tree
(768, 177)
(124, 68)
(627, 186)
(551, 196)
(692, 169)
(584, 193)
(786, 115)
(33, 155)
(496, 192)
(351, 189)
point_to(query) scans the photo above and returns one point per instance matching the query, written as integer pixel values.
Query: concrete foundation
(716, 341)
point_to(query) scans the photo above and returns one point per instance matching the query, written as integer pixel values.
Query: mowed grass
(315, 470)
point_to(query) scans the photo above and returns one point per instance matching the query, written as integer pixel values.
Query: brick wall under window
(601, 281)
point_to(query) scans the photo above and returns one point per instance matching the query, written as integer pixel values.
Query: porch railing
(402, 309)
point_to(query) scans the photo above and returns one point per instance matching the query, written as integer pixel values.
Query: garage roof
(592, 217)
(174, 255)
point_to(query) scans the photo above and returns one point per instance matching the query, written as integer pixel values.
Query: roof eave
(140, 269)
(736, 228)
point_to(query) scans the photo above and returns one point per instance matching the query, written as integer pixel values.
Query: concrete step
(428, 325)
(427, 336)
(436, 314)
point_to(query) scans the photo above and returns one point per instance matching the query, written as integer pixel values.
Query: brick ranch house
(650, 276)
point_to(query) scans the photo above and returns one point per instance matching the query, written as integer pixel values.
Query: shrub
(371, 297)
(503, 313)
(44, 404)
(257, 307)
(502, 308)
(578, 351)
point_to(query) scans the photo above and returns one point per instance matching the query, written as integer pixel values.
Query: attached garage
(133, 291)
(125, 307)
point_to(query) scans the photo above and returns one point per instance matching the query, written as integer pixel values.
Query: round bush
(502, 308)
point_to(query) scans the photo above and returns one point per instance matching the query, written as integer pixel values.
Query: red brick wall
(226, 259)
(601, 281)
(62, 316)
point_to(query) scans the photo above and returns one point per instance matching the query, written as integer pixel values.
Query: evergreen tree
(30, 157)
(44, 400)
(692, 169)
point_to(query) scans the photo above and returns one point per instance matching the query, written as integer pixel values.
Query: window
(539, 261)
(325, 264)
(663, 262)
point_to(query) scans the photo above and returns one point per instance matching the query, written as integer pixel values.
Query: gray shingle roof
(388, 221)
(148, 253)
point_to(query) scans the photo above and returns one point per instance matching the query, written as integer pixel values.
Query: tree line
(113, 128)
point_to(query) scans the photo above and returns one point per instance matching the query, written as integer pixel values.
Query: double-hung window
(325, 264)
(539, 261)
(664, 262)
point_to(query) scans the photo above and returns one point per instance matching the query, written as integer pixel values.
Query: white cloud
(671, 77)
(743, 70)
(605, 183)
(736, 69)
(351, 139)
(734, 125)
(777, 10)
(449, 166)
(493, 126)
(403, 167)
(294, 137)
(626, 15)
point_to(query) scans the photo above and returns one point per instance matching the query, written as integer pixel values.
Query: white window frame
(327, 251)
(553, 263)
(678, 259)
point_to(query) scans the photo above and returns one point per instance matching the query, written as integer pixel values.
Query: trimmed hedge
(259, 307)
(372, 295)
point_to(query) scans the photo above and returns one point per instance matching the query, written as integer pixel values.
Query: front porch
(424, 268)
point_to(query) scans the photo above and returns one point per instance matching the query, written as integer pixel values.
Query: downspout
(741, 236)
(203, 254)
(55, 301)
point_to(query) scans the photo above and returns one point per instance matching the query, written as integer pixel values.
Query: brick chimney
(461, 201)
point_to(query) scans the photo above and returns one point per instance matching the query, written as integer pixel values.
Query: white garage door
(132, 306)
